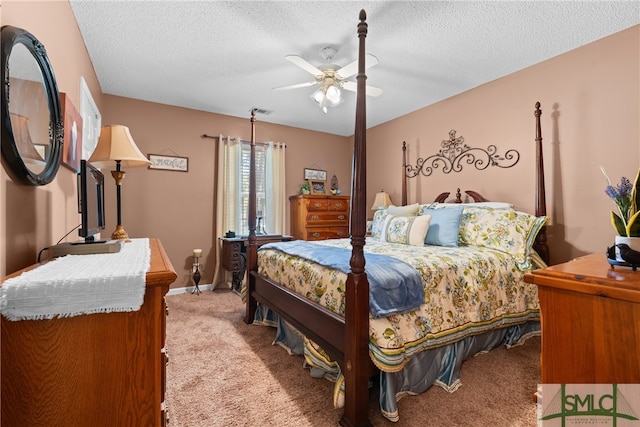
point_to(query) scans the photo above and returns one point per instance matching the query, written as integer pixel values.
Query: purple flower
(625, 187)
(611, 192)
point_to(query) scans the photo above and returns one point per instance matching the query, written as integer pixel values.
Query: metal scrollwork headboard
(454, 153)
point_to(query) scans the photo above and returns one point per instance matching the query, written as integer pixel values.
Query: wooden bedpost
(356, 345)
(404, 173)
(252, 247)
(541, 246)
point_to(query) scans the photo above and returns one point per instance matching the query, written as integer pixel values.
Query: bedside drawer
(233, 247)
(232, 265)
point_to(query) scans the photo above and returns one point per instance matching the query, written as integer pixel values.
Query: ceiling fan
(331, 78)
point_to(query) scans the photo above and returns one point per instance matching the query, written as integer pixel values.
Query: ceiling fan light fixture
(327, 96)
(333, 95)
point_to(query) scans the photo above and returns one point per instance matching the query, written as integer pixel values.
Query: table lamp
(116, 145)
(382, 201)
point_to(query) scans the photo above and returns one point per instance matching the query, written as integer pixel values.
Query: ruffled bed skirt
(440, 366)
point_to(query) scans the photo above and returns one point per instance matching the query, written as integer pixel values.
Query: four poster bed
(446, 302)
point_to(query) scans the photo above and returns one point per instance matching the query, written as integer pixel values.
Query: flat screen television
(90, 202)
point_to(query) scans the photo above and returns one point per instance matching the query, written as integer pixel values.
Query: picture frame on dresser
(318, 186)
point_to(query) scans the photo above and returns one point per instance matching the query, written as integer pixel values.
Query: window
(261, 203)
(233, 187)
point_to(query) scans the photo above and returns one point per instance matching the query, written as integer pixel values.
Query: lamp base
(119, 234)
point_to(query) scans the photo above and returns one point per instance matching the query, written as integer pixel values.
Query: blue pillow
(444, 226)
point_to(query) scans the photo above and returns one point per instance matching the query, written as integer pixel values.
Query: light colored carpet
(223, 372)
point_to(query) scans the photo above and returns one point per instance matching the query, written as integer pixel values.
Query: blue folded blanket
(394, 286)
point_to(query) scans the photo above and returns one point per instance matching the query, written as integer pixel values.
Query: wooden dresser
(94, 370)
(590, 317)
(319, 217)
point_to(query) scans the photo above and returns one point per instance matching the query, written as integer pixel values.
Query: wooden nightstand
(590, 315)
(234, 251)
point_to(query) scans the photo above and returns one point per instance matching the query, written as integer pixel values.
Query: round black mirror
(32, 125)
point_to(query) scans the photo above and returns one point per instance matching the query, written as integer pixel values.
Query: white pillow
(408, 210)
(406, 230)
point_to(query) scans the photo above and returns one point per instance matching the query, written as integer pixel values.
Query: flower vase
(633, 242)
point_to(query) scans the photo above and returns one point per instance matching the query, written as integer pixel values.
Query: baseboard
(188, 289)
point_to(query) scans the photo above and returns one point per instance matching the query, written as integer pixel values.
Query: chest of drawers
(103, 369)
(319, 217)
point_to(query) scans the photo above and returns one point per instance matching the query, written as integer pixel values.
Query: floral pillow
(380, 215)
(506, 230)
(406, 230)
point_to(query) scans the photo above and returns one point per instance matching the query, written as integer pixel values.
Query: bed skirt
(440, 366)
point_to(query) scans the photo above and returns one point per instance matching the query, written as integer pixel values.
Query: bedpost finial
(363, 15)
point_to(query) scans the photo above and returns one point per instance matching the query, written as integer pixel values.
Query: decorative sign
(170, 163)
(455, 153)
(315, 174)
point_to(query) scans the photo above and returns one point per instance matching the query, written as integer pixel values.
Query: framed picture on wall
(72, 146)
(317, 186)
(91, 120)
(315, 174)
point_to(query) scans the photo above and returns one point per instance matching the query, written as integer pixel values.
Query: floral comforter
(468, 290)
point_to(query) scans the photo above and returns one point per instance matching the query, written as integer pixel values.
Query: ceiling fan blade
(352, 68)
(302, 63)
(371, 90)
(296, 86)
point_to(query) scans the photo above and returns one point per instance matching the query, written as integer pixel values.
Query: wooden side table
(234, 250)
(590, 318)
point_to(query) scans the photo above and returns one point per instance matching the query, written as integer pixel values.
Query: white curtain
(276, 200)
(232, 192)
(229, 182)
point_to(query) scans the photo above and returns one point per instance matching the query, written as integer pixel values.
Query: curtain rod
(204, 135)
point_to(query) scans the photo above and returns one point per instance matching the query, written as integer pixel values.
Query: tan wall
(590, 118)
(590, 100)
(176, 207)
(32, 218)
(179, 207)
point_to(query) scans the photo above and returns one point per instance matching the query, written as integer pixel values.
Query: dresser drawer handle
(338, 205)
(315, 217)
(316, 234)
(340, 233)
(340, 216)
(318, 205)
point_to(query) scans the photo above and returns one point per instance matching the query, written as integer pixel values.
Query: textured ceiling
(227, 56)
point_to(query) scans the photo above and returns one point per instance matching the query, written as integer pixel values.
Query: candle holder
(196, 271)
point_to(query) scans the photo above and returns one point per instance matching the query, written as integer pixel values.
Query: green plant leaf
(633, 227)
(618, 224)
(635, 196)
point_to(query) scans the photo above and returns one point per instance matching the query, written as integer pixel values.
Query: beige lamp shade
(23, 140)
(116, 143)
(382, 201)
